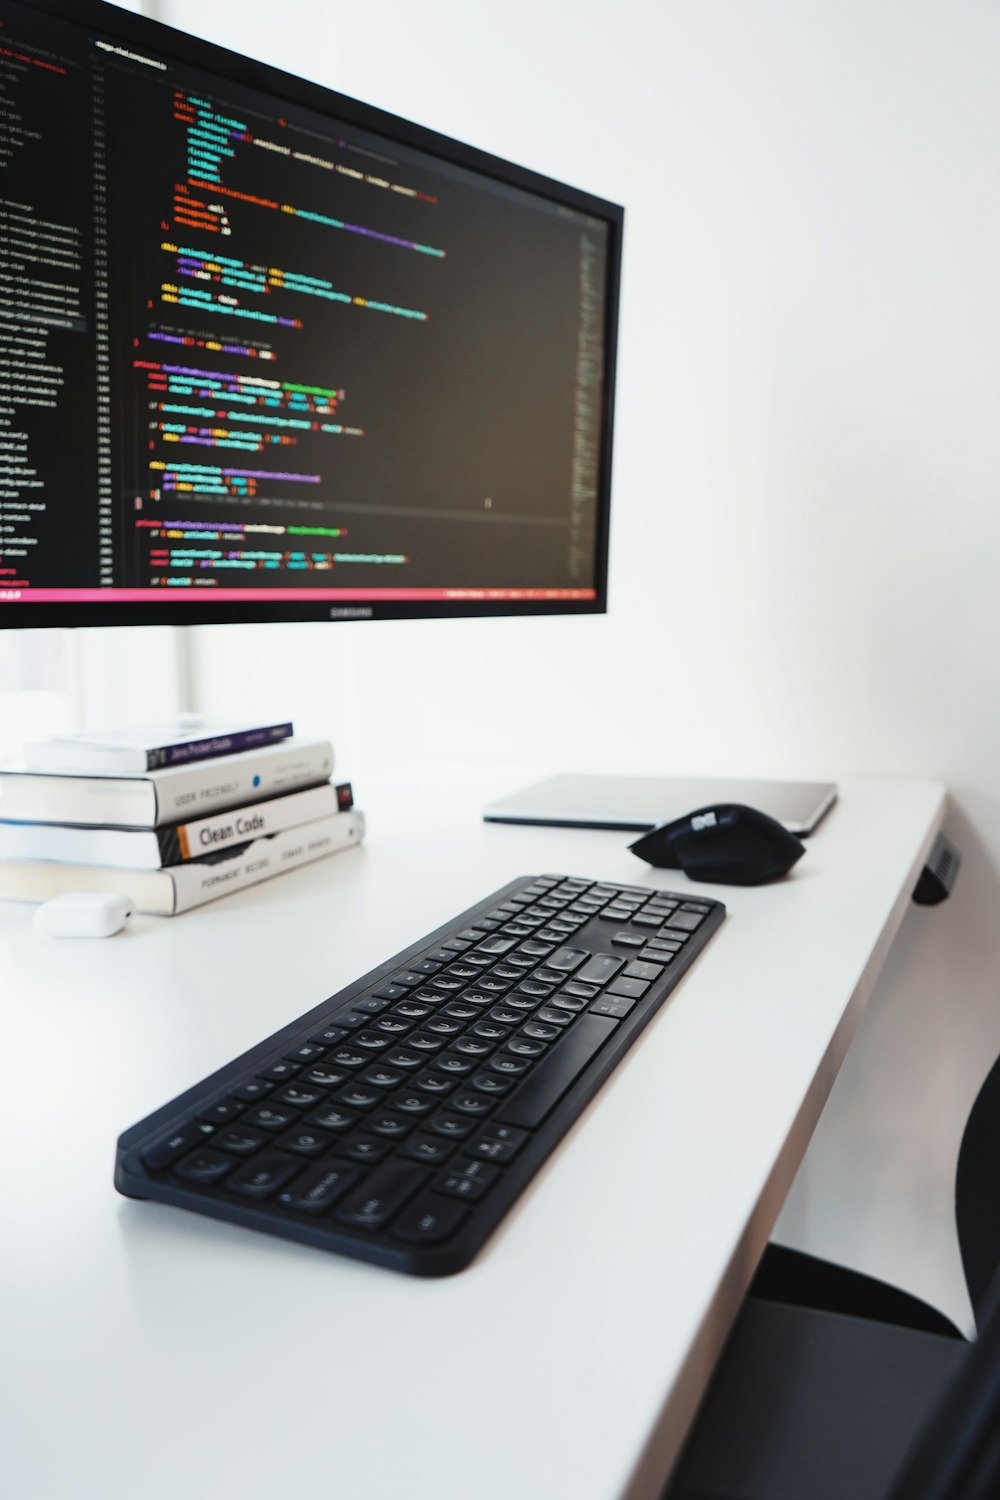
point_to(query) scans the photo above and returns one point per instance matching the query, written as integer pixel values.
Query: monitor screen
(268, 353)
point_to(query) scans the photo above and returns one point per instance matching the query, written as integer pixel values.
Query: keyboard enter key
(599, 969)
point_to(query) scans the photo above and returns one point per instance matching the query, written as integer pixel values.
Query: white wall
(806, 529)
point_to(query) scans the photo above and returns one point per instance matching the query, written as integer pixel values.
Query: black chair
(836, 1387)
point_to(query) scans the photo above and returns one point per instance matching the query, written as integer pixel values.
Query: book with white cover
(173, 844)
(130, 752)
(172, 795)
(165, 893)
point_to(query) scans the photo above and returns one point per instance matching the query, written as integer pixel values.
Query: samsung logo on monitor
(352, 612)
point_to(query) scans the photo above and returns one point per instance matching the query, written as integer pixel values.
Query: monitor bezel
(184, 48)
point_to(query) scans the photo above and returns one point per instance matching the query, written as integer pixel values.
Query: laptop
(635, 803)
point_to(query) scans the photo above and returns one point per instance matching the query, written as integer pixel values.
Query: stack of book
(171, 817)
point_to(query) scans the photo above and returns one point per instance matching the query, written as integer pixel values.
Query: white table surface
(150, 1354)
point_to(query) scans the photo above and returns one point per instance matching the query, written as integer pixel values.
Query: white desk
(150, 1354)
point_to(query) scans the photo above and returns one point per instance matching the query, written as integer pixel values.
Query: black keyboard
(398, 1121)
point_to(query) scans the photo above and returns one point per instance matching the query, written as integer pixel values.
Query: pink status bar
(187, 594)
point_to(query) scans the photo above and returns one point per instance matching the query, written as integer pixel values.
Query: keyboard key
(452, 1127)
(373, 1006)
(433, 1083)
(427, 1041)
(394, 1127)
(359, 1096)
(376, 1041)
(509, 1067)
(628, 989)
(525, 1046)
(429, 1221)
(319, 1189)
(303, 1098)
(333, 1119)
(491, 1083)
(392, 992)
(404, 1057)
(348, 1057)
(610, 1006)
(392, 1025)
(539, 1032)
(471, 1104)
(639, 970)
(600, 968)
(323, 1076)
(327, 1037)
(628, 940)
(432, 1150)
(412, 1104)
(567, 959)
(254, 1088)
(381, 1078)
(384, 1193)
(205, 1166)
(688, 920)
(281, 1070)
(239, 1141)
(412, 1011)
(304, 1142)
(457, 1185)
(365, 1148)
(581, 991)
(171, 1147)
(262, 1178)
(546, 1084)
(473, 1046)
(488, 1148)
(496, 946)
(215, 1114)
(454, 1065)
(270, 1117)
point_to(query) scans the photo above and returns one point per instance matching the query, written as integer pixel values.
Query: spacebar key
(548, 1082)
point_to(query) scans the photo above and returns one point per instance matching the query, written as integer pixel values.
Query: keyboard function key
(390, 992)
(373, 1006)
(254, 1088)
(167, 1150)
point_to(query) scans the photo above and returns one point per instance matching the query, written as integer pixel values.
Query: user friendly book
(175, 837)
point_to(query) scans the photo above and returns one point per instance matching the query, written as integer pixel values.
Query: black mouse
(729, 844)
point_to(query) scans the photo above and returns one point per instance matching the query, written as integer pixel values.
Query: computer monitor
(267, 353)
